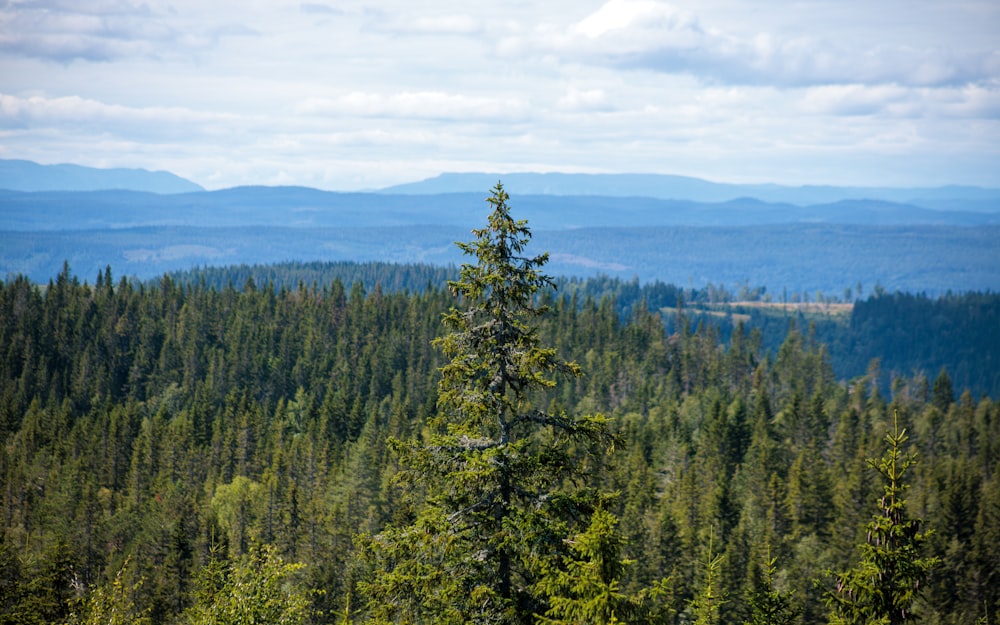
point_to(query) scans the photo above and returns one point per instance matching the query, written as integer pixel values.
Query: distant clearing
(728, 309)
(820, 308)
(745, 318)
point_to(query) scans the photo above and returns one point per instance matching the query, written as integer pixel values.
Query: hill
(312, 208)
(782, 246)
(20, 175)
(695, 189)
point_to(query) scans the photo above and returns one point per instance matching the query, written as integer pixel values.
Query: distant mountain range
(310, 208)
(668, 228)
(18, 175)
(695, 189)
(21, 175)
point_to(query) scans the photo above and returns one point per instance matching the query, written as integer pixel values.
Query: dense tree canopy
(161, 439)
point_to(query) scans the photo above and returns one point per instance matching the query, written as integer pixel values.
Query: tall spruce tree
(882, 586)
(497, 471)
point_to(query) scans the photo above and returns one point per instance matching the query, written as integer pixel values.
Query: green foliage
(705, 605)
(884, 584)
(259, 587)
(423, 573)
(234, 505)
(114, 603)
(493, 464)
(768, 605)
(128, 409)
(587, 586)
(895, 327)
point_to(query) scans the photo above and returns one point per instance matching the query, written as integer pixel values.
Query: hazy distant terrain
(622, 226)
(310, 208)
(22, 175)
(787, 257)
(686, 188)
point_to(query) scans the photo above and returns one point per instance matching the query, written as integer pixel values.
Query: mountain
(20, 175)
(695, 189)
(828, 245)
(312, 208)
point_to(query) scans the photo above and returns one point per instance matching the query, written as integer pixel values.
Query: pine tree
(493, 465)
(882, 587)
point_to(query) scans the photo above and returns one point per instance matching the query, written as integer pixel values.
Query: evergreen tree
(587, 587)
(942, 396)
(494, 466)
(769, 606)
(882, 587)
(705, 605)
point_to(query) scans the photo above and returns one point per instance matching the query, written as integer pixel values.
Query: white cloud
(76, 116)
(426, 105)
(852, 100)
(584, 100)
(441, 25)
(103, 31)
(658, 36)
(319, 8)
(895, 101)
(632, 15)
(353, 94)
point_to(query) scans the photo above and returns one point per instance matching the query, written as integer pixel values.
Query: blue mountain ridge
(765, 235)
(663, 186)
(21, 175)
(310, 208)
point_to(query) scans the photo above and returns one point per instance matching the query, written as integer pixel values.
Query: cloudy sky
(355, 95)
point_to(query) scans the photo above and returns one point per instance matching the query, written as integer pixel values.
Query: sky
(360, 95)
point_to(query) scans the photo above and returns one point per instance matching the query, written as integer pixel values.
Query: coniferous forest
(493, 450)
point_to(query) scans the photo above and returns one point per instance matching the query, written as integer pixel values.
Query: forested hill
(163, 432)
(905, 335)
(828, 245)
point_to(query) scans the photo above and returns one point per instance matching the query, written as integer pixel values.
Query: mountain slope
(694, 189)
(311, 208)
(20, 175)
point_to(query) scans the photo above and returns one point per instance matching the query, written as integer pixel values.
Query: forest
(890, 334)
(493, 449)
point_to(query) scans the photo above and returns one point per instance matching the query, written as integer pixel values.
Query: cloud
(315, 8)
(964, 102)
(425, 105)
(644, 17)
(657, 36)
(854, 100)
(92, 7)
(100, 31)
(442, 25)
(584, 100)
(77, 115)
(364, 94)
